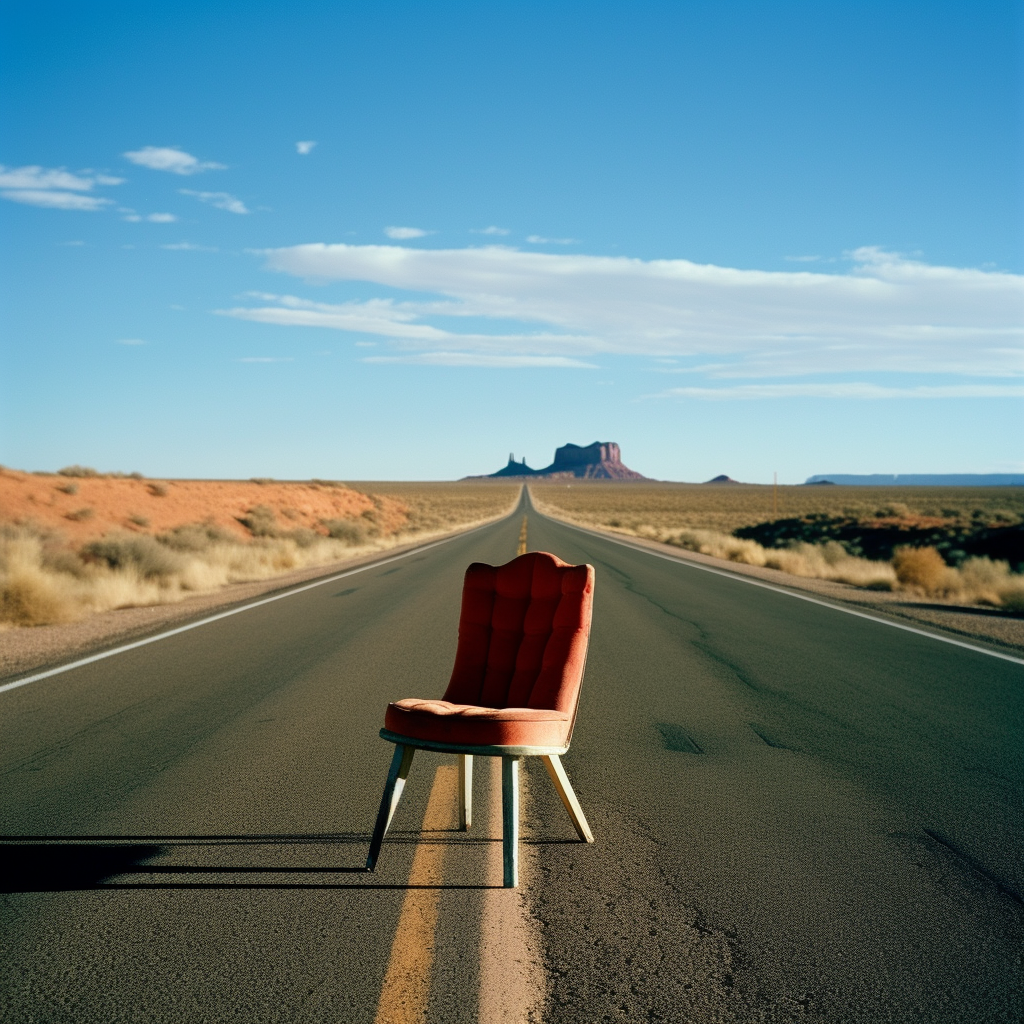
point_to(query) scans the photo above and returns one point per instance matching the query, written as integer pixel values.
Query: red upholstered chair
(513, 693)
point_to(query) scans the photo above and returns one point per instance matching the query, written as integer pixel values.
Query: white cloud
(188, 247)
(385, 317)
(540, 240)
(885, 314)
(167, 158)
(402, 233)
(56, 200)
(492, 230)
(44, 178)
(221, 200)
(853, 390)
(130, 341)
(482, 359)
(304, 148)
(153, 218)
(54, 188)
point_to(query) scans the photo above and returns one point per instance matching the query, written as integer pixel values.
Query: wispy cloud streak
(885, 314)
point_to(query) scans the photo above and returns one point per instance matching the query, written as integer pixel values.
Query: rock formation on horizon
(601, 460)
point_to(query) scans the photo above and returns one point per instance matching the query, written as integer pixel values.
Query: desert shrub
(159, 490)
(80, 515)
(260, 521)
(291, 513)
(70, 488)
(304, 538)
(261, 480)
(56, 559)
(985, 581)
(348, 531)
(28, 594)
(77, 471)
(327, 483)
(140, 552)
(896, 510)
(921, 569)
(30, 598)
(196, 537)
(136, 520)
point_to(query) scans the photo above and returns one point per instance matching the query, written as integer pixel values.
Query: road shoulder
(965, 622)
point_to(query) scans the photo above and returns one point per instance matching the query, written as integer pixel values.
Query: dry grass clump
(42, 581)
(922, 569)
(977, 580)
(828, 561)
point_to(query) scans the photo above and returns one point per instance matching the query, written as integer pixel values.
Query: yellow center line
(406, 990)
(521, 550)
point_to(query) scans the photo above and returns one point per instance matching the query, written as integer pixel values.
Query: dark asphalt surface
(799, 814)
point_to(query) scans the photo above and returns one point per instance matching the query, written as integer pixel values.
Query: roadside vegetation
(48, 577)
(963, 545)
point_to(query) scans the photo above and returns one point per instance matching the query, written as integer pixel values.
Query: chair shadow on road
(31, 864)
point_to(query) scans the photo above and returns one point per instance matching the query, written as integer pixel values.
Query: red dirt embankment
(85, 508)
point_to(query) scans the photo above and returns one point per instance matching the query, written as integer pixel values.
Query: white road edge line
(243, 608)
(679, 560)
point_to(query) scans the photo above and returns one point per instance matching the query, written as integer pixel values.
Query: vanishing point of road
(800, 814)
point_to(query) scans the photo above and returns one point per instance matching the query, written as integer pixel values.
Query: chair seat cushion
(440, 721)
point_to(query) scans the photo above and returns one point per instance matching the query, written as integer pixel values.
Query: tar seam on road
(788, 593)
(233, 611)
(405, 994)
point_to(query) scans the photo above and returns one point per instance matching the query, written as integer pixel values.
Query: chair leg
(510, 819)
(553, 763)
(397, 774)
(465, 792)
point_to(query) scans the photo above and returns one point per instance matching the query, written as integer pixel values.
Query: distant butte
(722, 479)
(601, 460)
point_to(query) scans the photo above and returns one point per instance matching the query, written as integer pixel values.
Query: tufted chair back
(523, 634)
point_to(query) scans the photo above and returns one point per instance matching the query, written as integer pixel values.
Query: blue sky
(398, 241)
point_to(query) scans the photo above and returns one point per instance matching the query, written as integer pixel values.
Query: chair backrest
(523, 634)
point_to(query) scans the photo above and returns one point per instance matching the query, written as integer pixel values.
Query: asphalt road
(800, 815)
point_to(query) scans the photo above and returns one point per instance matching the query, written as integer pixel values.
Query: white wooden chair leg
(397, 774)
(510, 819)
(553, 763)
(465, 792)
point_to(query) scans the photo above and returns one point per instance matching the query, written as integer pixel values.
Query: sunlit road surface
(800, 814)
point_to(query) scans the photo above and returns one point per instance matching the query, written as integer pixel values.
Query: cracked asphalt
(799, 814)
